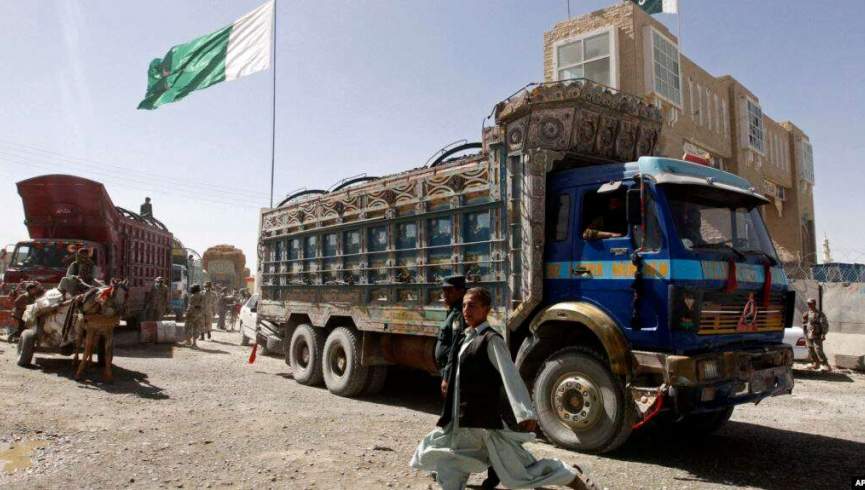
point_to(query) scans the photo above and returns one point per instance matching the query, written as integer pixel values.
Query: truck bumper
(712, 381)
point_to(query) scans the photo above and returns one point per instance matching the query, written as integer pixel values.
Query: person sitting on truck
(146, 208)
(606, 218)
(471, 433)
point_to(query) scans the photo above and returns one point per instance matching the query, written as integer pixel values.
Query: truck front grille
(724, 315)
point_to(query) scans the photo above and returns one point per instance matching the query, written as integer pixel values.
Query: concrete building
(715, 117)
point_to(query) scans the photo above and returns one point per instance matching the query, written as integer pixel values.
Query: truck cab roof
(664, 171)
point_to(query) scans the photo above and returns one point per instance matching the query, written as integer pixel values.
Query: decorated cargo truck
(628, 286)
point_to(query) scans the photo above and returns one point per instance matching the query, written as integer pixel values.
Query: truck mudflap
(712, 381)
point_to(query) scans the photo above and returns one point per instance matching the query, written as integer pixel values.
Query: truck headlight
(708, 369)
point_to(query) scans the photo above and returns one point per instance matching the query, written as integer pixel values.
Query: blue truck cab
(688, 302)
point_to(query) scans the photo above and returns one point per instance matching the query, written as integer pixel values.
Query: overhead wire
(135, 184)
(26, 150)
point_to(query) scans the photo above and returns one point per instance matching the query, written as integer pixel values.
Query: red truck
(64, 213)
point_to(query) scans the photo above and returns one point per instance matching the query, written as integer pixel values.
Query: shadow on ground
(749, 455)
(410, 388)
(822, 375)
(126, 381)
(164, 351)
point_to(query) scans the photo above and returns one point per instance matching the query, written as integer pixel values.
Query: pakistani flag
(240, 49)
(658, 6)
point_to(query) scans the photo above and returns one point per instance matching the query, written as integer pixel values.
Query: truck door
(602, 271)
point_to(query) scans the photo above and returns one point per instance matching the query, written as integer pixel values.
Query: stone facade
(714, 117)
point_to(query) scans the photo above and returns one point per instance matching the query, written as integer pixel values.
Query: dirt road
(182, 418)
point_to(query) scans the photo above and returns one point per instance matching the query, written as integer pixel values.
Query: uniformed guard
(194, 315)
(453, 290)
(210, 300)
(816, 327)
(156, 301)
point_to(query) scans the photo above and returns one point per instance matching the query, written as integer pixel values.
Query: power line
(246, 193)
(155, 182)
(131, 183)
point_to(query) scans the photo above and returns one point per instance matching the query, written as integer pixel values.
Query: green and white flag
(658, 6)
(240, 49)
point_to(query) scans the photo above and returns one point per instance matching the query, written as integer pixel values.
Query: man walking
(450, 337)
(194, 315)
(210, 300)
(472, 432)
(816, 328)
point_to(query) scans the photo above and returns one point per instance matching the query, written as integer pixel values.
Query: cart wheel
(26, 347)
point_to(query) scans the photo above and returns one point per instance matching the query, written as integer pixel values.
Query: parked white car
(795, 337)
(264, 333)
(248, 318)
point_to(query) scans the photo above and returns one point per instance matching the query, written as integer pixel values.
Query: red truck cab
(64, 213)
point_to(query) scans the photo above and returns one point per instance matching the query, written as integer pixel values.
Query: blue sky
(368, 87)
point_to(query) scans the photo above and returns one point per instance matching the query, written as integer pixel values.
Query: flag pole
(273, 108)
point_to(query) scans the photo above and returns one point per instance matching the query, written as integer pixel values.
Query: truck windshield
(40, 254)
(708, 218)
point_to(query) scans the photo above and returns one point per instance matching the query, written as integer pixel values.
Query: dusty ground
(178, 417)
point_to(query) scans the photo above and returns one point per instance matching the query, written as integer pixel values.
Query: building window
(755, 126)
(725, 117)
(691, 98)
(806, 168)
(709, 108)
(590, 56)
(700, 104)
(667, 76)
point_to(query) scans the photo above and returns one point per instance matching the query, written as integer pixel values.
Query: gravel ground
(203, 418)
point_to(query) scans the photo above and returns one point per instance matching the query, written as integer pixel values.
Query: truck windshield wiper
(726, 246)
(772, 260)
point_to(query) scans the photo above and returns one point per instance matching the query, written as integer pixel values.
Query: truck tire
(581, 404)
(26, 347)
(305, 351)
(375, 380)
(343, 373)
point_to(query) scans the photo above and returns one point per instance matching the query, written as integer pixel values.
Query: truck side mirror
(634, 209)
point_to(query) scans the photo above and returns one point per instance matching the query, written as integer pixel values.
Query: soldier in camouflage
(194, 315)
(816, 327)
(210, 300)
(156, 301)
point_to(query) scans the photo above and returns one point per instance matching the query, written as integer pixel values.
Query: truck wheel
(375, 380)
(343, 373)
(581, 405)
(701, 424)
(26, 347)
(307, 344)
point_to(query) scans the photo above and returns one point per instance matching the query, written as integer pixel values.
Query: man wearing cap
(156, 301)
(816, 327)
(453, 290)
(33, 291)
